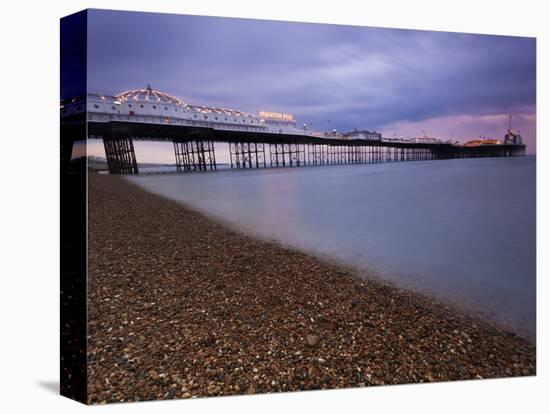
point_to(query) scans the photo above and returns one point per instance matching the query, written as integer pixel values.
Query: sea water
(461, 231)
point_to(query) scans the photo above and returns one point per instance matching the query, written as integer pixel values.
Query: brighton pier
(267, 139)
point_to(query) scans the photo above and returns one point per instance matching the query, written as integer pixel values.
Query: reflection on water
(462, 230)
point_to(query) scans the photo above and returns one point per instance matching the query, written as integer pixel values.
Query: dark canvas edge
(73, 213)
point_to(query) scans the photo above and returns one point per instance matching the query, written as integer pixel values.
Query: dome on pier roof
(149, 95)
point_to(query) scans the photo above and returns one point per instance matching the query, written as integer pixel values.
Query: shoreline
(361, 272)
(181, 306)
(470, 244)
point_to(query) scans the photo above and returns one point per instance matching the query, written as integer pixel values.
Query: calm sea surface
(462, 231)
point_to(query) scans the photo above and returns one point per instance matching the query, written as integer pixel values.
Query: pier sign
(276, 115)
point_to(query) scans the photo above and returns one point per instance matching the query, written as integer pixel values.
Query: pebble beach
(181, 306)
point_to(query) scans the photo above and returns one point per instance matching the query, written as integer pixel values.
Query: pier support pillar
(120, 154)
(247, 155)
(194, 155)
(287, 155)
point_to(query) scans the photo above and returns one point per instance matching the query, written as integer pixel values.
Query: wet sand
(181, 306)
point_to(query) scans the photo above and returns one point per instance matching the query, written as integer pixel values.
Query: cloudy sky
(400, 82)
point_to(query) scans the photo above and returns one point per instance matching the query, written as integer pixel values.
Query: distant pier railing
(194, 148)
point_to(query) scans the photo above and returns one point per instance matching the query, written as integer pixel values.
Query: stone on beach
(313, 340)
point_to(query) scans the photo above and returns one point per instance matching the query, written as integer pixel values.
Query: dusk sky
(400, 82)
